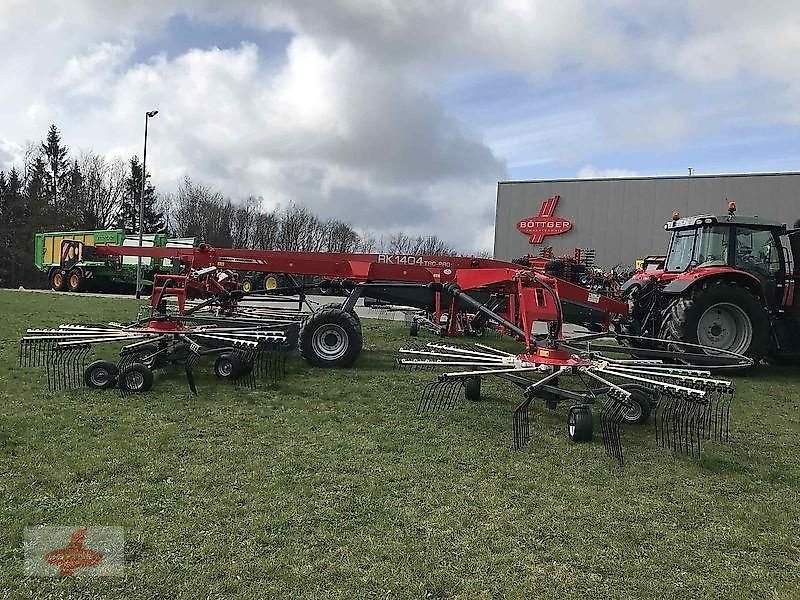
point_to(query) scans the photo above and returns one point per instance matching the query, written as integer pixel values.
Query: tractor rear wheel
(58, 281)
(720, 315)
(76, 280)
(331, 337)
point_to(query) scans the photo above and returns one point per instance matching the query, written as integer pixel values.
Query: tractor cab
(759, 247)
(747, 243)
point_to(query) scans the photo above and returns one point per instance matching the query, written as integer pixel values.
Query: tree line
(55, 191)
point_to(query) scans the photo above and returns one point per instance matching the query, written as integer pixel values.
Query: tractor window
(711, 247)
(757, 251)
(680, 251)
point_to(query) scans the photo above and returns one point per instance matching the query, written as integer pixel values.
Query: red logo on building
(544, 224)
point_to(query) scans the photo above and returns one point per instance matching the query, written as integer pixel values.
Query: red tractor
(727, 282)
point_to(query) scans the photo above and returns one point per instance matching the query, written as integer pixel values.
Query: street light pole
(147, 115)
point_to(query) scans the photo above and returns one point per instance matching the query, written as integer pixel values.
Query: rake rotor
(256, 349)
(690, 405)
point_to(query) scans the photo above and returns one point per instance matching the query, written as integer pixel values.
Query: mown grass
(330, 486)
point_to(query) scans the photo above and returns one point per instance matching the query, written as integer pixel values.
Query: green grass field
(330, 486)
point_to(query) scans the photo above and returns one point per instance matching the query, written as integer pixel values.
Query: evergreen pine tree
(56, 174)
(153, 218)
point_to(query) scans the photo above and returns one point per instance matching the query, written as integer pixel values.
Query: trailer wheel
(641, 403)
(579, 423)
(76, 280)
(247, 285)
(228, 366)
(58, 282)
(472, 388)
(721, 315)
(136, 378)
(100, 375)
(271, 281)
(331, 337)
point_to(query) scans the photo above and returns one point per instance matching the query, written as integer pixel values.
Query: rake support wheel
(641, 401)
(136, 378)
(472, 388)
(100, 375)
(229, 366)
(579, 424)
(331, 337)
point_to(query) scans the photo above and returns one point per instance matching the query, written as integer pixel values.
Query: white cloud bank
(349, 121)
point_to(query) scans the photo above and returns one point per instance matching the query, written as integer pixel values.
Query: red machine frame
(531, 295)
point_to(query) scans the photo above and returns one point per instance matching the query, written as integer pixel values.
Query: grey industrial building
(623, 219)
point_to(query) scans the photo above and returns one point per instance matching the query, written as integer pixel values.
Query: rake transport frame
(411, 280)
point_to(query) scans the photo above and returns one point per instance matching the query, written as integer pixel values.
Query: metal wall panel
(623, 219)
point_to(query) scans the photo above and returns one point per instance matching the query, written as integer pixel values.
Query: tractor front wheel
(331, 337)
(721, 316)
(58, 281)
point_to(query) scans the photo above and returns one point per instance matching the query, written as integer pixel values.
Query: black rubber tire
(643, 399)
(352, 311)
(228, 366)
(472, 388)
(248, 285)
(683, 316)
(135, 378)
(580, 425)
(93, 375)
(341, 324)
(413, 330)
(58, 281)
(75, 280)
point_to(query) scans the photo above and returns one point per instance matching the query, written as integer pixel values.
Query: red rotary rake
(244, 348)
(690, 404)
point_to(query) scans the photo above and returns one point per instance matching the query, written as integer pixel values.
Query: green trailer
(99, 275)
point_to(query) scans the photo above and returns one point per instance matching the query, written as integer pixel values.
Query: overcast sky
(403, 114)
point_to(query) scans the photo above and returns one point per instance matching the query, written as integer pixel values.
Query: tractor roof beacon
(726, 282)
